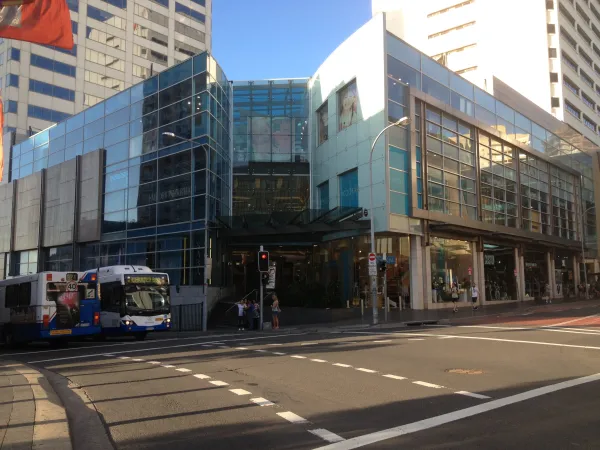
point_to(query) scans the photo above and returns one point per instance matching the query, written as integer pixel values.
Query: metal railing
(187, 317)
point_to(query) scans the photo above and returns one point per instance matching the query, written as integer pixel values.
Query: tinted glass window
(144, 216)
(174, 188)
(174, 212)
(174, 164)
(176, 93)
(144, 194)
(175, 112)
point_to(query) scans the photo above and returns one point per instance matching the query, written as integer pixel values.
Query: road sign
(272, 272)
(470, 271)
(71, 287)
(372, 264)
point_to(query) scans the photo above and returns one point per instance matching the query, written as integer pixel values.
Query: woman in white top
(474, 296)
(241, 308)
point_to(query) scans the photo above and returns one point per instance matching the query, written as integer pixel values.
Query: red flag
(45, 22)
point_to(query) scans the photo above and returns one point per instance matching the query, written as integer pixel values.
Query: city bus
(134, 300)
(50, 306)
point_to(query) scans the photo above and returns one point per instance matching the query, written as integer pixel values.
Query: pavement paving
(489, 381)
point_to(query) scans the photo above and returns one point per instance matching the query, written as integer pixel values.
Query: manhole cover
(465, 371)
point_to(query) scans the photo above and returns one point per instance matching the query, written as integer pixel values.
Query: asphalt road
(528, 380)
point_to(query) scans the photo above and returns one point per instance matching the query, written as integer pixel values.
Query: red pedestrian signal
(263, 261)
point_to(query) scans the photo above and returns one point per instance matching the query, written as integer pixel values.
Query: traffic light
(382, 265)
(263, 261)
(264, 278)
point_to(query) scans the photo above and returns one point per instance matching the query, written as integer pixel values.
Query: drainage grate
(465, 371)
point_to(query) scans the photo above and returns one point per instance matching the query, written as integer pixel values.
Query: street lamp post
(206, 203)
(402, 121)
(583, 250)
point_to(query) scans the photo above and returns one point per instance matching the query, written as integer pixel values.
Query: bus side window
(12, 296)
(25, 294)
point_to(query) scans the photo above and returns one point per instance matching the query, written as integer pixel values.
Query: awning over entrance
(314, 222)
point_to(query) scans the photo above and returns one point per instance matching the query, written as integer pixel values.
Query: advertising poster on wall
(67, 304)
(348, 106)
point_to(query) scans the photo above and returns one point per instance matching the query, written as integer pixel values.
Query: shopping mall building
(189, 174)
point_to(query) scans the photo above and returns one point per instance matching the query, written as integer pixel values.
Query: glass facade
(166, 168)
(270, 146)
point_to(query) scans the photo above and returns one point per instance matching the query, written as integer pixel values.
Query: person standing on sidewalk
(241, 308)
(474, 296)
(454, 294)
(275, 310)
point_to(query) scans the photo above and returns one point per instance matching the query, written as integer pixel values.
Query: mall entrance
(499, 272)
(536, 273)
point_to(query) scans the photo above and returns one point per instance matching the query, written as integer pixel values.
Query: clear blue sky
(257, 39)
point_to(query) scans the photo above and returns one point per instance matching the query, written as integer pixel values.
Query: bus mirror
(177, 288)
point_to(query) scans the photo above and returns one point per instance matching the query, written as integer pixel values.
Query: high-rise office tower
(547, 50)
(117, 44)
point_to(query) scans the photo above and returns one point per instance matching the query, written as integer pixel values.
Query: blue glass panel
(462, 104)
(26, 158)
(399, 204)
(484, 99)
(57, 130)
(117, 153)
(93, 129)
(324, 196)
(397, 91)
(94, 113)
(73, 5)
(56, 158)
(395, 111)
(26, 170)
(151, 86)
(116, 180)
(505, 112)
(75, 122)
(93, 144)
(14, 54)
(117, 135)
(399, 159)
(12, 80)
(435, 71)
(74, 137)
(399, 181)
(118, 101)
(56, 144)
(462, 86)
(115, 119)
(175, 74)
(403, 51)
(41, 138)
(436, 90)
(349, 188)
(485, 116)
(73, 151)
(200, 63)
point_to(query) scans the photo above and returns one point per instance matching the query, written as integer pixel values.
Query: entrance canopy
(309, 225)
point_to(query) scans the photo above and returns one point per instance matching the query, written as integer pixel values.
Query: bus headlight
(128, 322)
(168, 320)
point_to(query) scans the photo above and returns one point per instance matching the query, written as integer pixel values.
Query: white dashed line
(275, 344)
(279, 353)
(110, 355)
(206, 345)
(201, 376)
(471, 394)
(223, 346)
(366, 370)
(153, 362)
(298, 357)
(430, 385)
(291, 417)
(394, 377)
(168, 366)
(241, 348)
(416, 339)
(383, 341)
(318, 360)
(183, 370)
(261, 401)
(446, 337)
(137, 360)
(124, 357)
(261, 351)
(240, 392)
(309, 343)
(326, 435)
(219, 383)
(342, 365)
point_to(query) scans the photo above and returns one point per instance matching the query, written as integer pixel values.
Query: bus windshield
(142, 299)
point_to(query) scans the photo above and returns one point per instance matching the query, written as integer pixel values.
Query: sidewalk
(31, 414)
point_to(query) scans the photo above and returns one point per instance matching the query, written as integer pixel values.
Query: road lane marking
(471, 394)
(298, 357)
(207, 345)
(201, 376)
(326, 435)
(430, 385)
(219, 383)
(366, 370)
(291, 417)
(571, 321)
(168, 366)
(169, 347)
(274, 344)
(241, 348)
(183, 370)
(240, 392)
(394, 377)
(124, 357)
(309, 343)
(446, 337)
(261, 351)
(153, 362)
(318, 360)
(261, 401)
(384, 341)
(223, 346)
(279, 353)
(378, 436)
(110, 355)
(138, 359)
(415, 339)
(342, 365)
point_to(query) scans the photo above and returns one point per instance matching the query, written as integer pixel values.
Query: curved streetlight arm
(402, 121)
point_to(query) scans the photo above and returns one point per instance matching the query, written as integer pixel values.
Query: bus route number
(71, 287)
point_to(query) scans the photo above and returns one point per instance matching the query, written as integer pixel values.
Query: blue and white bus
(51, 306)
(134, 300)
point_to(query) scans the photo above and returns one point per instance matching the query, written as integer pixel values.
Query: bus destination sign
(156, 280)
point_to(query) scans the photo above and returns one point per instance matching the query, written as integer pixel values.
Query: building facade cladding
(473, 190)
(118, 43)
(270, 146)
(156, 192)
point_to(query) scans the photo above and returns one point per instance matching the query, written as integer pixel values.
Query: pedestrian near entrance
(256, 318)
(454, 294)
(474, 296)
(275, 310)
(241, 307)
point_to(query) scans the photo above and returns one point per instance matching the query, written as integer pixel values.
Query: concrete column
(481, 277)
(427, 280)
(416, 267)
(551, 280)
(520, 266)
(576, 271)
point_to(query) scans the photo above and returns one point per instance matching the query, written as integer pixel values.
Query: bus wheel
(140, 336)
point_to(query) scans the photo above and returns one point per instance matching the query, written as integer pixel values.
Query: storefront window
(451, 262)
(563, 275)
(499, 272)
(536, 274)
(563, 204)
(535, 206)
